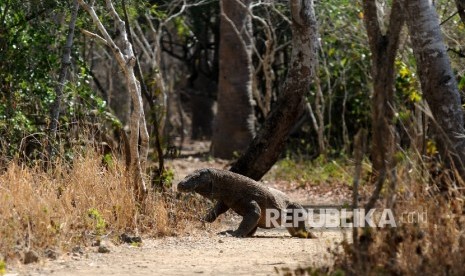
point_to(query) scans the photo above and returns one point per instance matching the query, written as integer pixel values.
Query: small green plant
(166, 178)
(108, 160)
(100, 223)
(2, 267)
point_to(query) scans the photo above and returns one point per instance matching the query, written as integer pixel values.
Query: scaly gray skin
(243, 195)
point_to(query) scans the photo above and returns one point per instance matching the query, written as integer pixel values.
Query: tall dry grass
(75, 204)
(435, 246)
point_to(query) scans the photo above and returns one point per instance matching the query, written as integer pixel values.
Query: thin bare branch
(95, 36)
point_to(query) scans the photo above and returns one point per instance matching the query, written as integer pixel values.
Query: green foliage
(344, 69)
(28, 53)
(167, 177)
(315, 172)
(156, 11)
(99, 222)
(462, 83)
(2, 267)
(431, 148)
(108, 160)
(163, 181)
(407, 83)
(32, 36)
(181, 28)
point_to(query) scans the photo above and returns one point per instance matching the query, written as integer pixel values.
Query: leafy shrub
(316, 172)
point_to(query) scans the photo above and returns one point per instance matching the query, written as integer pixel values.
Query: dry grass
(416, 247)
(75, 204)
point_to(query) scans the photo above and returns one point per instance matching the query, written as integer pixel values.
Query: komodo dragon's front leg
(217, 210)
(250, 219)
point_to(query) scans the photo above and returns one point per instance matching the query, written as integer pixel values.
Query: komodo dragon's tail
(300, 230)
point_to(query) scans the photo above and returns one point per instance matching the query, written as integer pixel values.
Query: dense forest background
(137, 80)
(177, 46)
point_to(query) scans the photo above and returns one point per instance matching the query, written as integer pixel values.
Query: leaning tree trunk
(127, 61)
(438, 81)
(383, 46)
(65, 64)
(461, 9)
(234, 122)
(267, 146)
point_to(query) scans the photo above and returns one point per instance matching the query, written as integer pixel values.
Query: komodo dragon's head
(199, 181)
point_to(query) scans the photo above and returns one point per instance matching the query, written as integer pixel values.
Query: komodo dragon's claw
(227, 233)
(232, 233)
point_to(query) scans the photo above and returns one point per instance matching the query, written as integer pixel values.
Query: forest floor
(203, 250)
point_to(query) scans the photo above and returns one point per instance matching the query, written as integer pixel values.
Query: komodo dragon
(246, 197)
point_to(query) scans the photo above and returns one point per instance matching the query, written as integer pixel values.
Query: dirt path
(208, 255)
(204, 251)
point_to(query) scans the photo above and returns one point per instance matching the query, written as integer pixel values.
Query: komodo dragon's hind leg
(296, 216)
(250, 220)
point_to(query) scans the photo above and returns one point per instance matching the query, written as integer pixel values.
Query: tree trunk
(202, 106)
(127, 62)
(438, 81)
(204, 74)
(65, 64)
(235, 120)
(461, 9)
(383, 48)
(157, 178)
(267, 146)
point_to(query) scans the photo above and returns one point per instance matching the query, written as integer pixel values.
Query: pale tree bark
(320, 114)
(437, 80)
(317, 116)
(383, 46)
(235, 121)
(265, 65)
(157, 177)
(126, 60)
(62, 78)
(269, 143)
